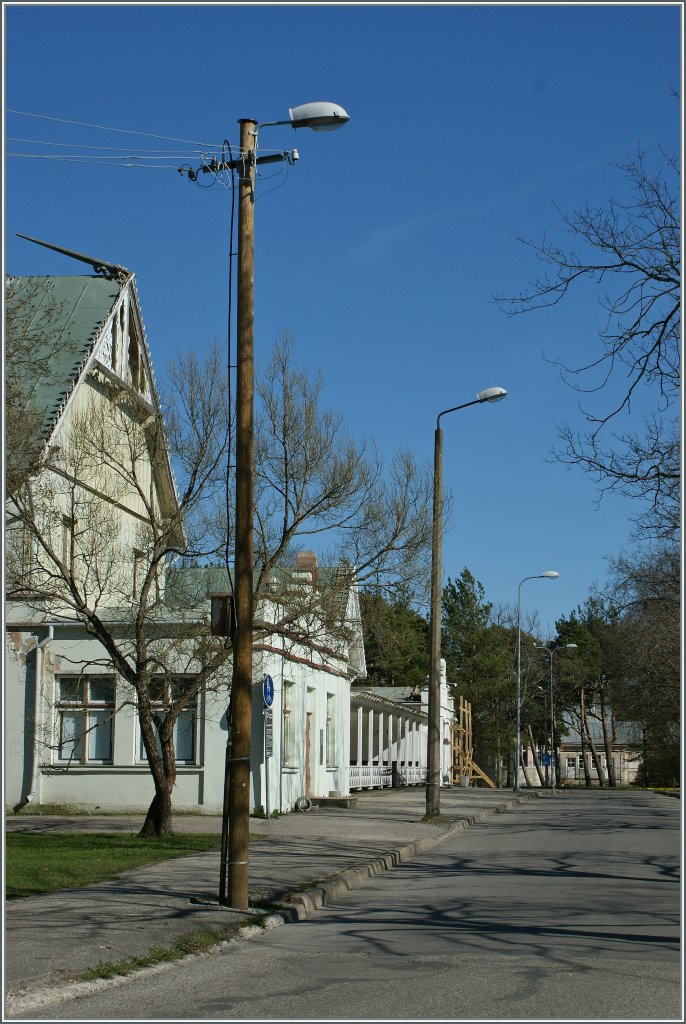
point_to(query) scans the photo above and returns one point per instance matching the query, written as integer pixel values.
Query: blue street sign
(545, 760)
(268, 691)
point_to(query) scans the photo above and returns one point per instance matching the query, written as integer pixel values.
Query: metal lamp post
(433, 759)
(550, 651)
(319, 117)
(549, 574)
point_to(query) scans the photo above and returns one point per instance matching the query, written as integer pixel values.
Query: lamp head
(571, 647)
(320, 116)
(550, 574)
(491, 395)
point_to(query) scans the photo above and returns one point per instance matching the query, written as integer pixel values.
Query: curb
(300, 907)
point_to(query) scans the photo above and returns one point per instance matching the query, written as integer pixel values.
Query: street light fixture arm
(487, 395)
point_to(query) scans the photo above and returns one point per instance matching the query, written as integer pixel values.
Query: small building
(626, 752)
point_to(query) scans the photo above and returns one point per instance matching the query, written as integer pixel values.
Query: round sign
(268, 691)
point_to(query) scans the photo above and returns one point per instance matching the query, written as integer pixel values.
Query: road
(563, 909)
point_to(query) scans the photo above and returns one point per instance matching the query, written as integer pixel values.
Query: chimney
(306, 568)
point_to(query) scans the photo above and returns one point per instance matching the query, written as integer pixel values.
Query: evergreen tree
(478, 654)
(396, 640)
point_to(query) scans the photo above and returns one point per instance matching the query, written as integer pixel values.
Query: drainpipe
(38, 716)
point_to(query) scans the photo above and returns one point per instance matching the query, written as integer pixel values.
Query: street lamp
(235, 832)
(433, 752)
(549, 574)
(551, 651)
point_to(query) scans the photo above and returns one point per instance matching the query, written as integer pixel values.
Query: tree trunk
(522, 765)
(582, 736)
(607, 738)
(158, 820)
(537, 763)
(594, 752)
(509, 770)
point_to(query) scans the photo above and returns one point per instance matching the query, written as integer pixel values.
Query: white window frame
(288, 720)
(94, 713)
(330, 739)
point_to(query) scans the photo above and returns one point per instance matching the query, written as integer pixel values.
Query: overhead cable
(106, 128)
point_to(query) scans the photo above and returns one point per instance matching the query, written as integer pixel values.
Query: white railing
(369, 776)
(414, 776)
(373, 776)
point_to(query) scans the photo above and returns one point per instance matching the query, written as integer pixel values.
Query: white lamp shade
(491, 394)
(320, 116)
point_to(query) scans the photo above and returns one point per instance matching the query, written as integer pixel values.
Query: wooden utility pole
(241, 686)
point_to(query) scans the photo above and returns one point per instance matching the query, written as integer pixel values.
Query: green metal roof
(51, 325)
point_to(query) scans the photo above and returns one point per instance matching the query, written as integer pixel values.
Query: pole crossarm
(242, 164)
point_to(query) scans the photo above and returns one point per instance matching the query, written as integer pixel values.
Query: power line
(123, 131)
(108, 149)
(106, 128)
(92, 157)
(98, 161)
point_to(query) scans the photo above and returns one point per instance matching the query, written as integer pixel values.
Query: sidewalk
(49, 939)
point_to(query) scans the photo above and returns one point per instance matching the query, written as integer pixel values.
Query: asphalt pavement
(300, 861)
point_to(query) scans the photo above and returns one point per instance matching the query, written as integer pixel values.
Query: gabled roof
(59, 319)
(56, 329)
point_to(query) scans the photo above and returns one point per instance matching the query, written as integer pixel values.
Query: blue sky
(382, 248)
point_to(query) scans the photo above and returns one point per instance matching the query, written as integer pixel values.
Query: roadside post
(268, 697)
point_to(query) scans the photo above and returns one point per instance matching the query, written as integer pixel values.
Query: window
(289, 757)
(184, 727)
(330, 730)
(85, 713)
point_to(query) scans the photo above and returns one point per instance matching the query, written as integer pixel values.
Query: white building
(73, 736)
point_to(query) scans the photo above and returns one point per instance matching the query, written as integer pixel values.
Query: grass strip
(39, 863)
(199, 940)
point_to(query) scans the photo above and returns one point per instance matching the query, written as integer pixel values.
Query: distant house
(626, 752)
(575, 761)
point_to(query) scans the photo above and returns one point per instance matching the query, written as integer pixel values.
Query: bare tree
(629, 248)
(647, 653)
(315, 486)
